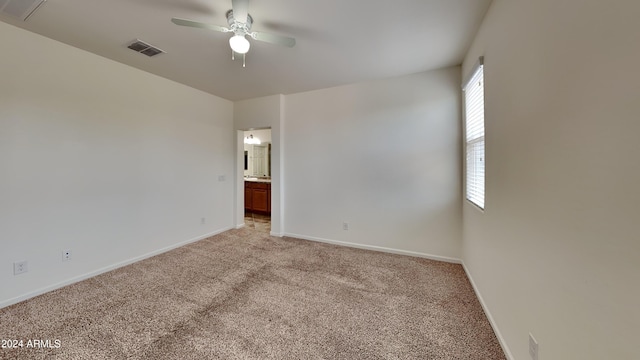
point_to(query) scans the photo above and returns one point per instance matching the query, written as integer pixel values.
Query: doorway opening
(257, 179)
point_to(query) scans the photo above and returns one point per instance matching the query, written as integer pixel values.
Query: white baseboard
(276, 234)
(91, 274)
(501, 340)
(240, 226)
(377, 248)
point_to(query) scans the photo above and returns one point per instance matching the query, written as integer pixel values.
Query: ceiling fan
(240, 23)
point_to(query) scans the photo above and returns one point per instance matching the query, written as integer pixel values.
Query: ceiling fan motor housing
(237, 27)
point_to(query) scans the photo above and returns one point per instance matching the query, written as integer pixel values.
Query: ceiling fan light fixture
(240, 26)
(239, 44)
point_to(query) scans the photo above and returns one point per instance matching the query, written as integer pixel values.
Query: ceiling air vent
(144, 48)
(21, 9)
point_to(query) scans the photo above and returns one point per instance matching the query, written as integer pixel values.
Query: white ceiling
(338, 41)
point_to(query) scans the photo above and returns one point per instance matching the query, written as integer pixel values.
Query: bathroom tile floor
(258, 222)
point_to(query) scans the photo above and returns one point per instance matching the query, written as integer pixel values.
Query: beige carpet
(245, 295)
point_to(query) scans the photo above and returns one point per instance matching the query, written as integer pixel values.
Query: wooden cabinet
(248, 198)
(257, 197)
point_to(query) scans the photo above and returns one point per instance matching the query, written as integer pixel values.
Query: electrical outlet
(222, 178)
(20, 267)
(345, 226)
(203, 220)
(533, 347)
(66, 255)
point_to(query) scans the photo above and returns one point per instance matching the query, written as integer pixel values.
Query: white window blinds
(474, 117)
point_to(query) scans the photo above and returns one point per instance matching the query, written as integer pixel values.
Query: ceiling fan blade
(197, 24)
(240, 10)
(273, 39)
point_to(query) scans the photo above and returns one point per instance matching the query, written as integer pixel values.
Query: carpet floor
(243, 294)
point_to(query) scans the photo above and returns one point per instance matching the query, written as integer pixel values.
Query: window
(474, 119)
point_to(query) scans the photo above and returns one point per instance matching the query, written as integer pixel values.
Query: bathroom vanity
(257, 195)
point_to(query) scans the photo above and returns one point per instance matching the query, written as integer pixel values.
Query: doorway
(257, 179)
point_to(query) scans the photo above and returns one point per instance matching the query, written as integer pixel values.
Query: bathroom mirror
(259, 162)
(257, 157)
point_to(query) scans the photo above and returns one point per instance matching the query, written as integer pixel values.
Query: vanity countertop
(253, 179)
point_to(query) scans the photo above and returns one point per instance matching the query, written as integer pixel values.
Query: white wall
(263, 112)
(383, 156)
(103, 159)
(556, 253)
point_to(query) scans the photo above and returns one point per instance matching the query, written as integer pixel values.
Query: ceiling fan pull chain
(233, 55)
(244, 58)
